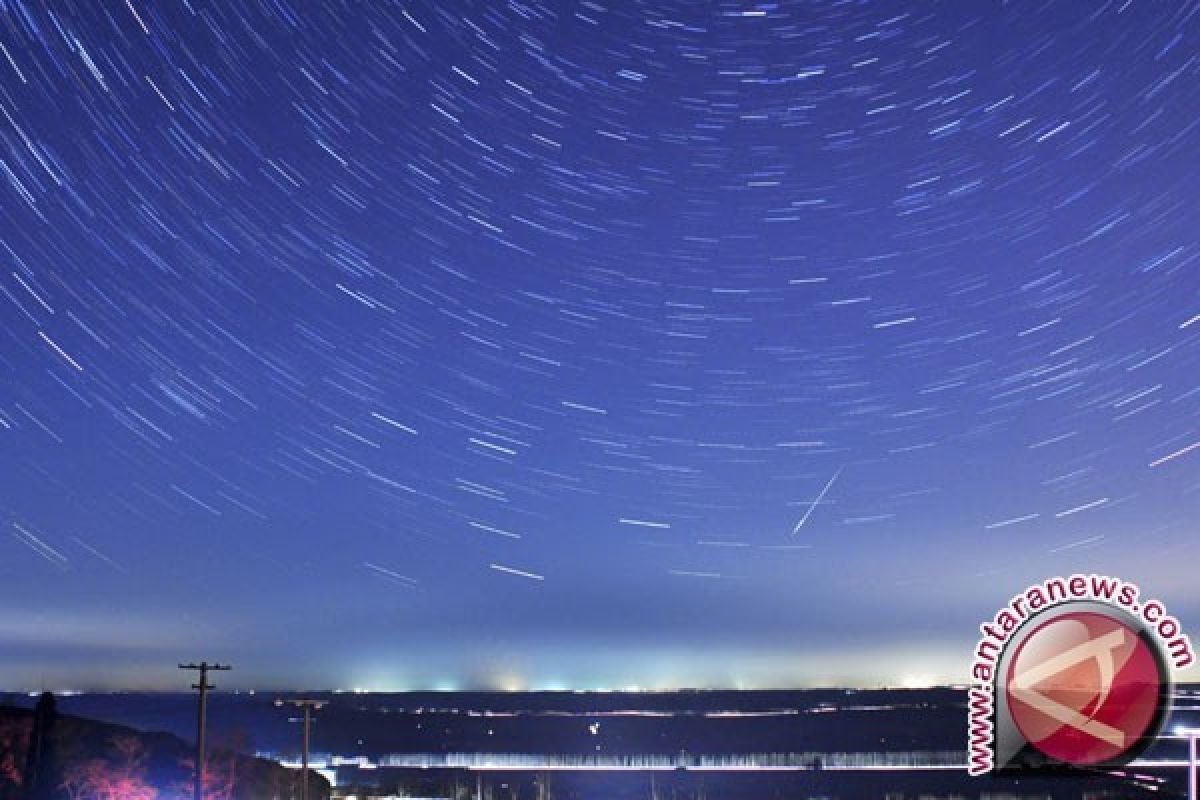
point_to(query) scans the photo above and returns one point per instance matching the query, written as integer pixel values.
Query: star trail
(583, 344)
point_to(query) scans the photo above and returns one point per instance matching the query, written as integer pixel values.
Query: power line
(202, 712)
(308, 706)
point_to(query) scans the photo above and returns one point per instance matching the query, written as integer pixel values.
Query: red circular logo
(1084, 688)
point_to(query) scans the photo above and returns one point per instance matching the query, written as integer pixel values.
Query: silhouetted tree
(14, 747)
(122, 777)
(222, 771)
(41, 777)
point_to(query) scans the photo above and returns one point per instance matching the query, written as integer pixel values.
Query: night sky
(581, 344)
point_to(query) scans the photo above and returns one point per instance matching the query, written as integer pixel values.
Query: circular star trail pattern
(582, 343)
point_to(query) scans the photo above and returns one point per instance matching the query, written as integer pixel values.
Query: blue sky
(559, 344)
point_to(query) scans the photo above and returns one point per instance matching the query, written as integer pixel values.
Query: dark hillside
(82, 759)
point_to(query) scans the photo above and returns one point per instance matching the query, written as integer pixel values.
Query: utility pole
(203, 686)
(308, 706)
(1192, 735)
(1192, 767)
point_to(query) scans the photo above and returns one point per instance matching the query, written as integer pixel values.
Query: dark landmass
(642, 723)
(416, 743)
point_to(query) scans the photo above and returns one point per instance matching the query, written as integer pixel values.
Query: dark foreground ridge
(49, 756)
